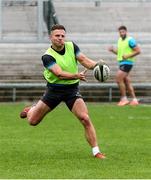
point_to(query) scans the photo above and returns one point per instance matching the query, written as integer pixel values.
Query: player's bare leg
(129, 87)
(120, 76)
(36, 113)
(81, 112)
(131, 91)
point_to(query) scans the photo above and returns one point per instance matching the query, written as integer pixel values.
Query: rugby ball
(101, 72)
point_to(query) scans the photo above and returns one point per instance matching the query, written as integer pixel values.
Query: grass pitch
(56, 148)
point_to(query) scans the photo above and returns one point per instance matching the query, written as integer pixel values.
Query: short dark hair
(122, 28)
(57, 26)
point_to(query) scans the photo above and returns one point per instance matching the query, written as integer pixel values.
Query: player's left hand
(100, 62)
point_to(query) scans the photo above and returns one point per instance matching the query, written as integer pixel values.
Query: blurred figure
(126, 50)
(49, 14)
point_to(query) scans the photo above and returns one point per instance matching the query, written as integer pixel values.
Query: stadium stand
(93, 26)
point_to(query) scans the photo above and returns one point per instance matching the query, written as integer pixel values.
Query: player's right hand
(111, 48)
(82, 75)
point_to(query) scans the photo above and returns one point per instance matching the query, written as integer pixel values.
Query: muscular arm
(135, 48)
(85, 61)
(66, 75)
(136, 51)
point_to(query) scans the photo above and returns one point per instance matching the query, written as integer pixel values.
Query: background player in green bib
(126, 50)
(61, 73)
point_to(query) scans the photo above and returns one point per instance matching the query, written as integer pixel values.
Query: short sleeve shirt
(132, 43)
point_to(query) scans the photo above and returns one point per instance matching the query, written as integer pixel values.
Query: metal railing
(96, 86)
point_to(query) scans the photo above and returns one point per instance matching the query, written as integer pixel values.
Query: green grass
(56, 148)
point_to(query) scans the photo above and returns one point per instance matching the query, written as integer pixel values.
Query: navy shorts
(54, 95)
(126, 67)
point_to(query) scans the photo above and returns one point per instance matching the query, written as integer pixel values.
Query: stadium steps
(23, 61)
(105, 18)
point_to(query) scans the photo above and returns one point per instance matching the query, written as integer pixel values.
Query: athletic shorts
(126, 67)
(54, 95)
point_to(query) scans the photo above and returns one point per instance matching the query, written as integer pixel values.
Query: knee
(118, 79)
(85, 120)
(33, 121)
(127, 81)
